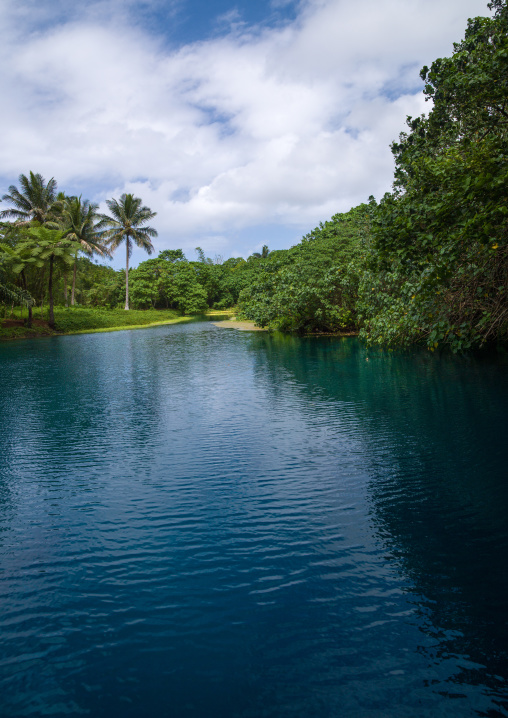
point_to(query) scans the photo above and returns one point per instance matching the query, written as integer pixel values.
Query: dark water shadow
(434, 430)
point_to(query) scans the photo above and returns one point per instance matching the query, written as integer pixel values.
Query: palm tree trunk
(51, 319)
(29, 320)
(66, 299)
(73, 292)
(127, 275)
(42, 290)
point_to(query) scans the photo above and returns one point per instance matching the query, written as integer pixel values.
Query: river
(202, 523)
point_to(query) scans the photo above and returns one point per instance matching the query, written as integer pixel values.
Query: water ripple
(198, 522)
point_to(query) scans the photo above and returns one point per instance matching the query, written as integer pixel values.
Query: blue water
(198, 522)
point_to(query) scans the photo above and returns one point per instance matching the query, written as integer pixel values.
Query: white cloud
(282, 126)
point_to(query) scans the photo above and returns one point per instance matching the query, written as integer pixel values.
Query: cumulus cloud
(279, 126)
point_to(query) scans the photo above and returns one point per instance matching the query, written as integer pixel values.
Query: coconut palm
(79, 219)
(8, 291)
(43, 246)
(127, 223)
(35, 202)
(263, 254)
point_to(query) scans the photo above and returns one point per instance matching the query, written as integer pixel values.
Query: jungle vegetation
(427, 264)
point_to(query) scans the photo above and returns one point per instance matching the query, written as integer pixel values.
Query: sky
(239, 123)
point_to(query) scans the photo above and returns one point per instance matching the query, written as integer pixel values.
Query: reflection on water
(202, 522)
(433, 432)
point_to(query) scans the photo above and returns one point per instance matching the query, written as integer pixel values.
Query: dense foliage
(313, 286)
(438, 269)
(48, 231)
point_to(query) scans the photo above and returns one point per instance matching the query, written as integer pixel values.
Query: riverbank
(247, 326)
(243, 326)
(80, 320)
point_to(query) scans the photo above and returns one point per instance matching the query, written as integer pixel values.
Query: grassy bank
(82, 320)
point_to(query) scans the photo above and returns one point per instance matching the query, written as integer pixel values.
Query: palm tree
(263, 254)
(42, 246)
(36, 202)
(127, 223)
(9, 292)
(79, 221)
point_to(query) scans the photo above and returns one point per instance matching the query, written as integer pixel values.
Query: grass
(23, 332)
(84, 320)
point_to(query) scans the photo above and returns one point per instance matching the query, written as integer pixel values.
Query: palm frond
(36, 201)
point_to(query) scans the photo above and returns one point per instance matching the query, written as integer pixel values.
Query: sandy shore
(245, 326)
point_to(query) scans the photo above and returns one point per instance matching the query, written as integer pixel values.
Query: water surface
(197, 522)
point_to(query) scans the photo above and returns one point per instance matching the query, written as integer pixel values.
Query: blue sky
(240, 124)
(194, 20)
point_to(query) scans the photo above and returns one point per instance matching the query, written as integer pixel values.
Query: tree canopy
(438, 267)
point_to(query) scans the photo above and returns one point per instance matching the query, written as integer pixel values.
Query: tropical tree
(313, 286)
(439, 268)
(79, 219)
(166, 282)
(172, 255)
(35, 202)
(39, 247)
(127, 223)
(8, 291)
(9, 256)
(261, 255)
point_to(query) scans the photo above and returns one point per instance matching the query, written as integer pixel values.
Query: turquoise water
(198, 522)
